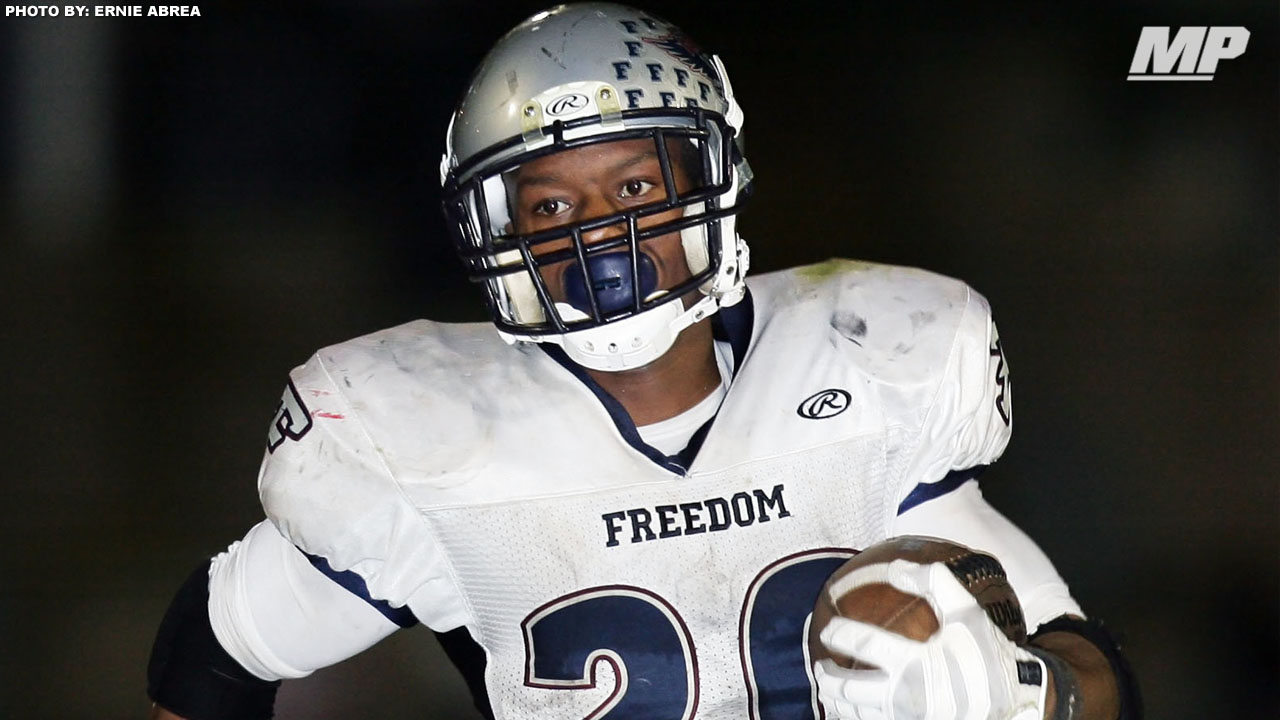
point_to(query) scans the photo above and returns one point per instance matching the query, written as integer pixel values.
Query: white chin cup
(631, 343)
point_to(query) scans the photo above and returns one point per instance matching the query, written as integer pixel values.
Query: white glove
(968, 669)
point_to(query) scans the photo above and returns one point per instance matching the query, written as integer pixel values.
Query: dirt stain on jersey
(830, 268)
(921, 318)
(849, 324)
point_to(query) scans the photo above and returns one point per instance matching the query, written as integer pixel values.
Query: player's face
(594, 181)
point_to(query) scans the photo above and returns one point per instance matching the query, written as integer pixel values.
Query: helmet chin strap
(631, 343)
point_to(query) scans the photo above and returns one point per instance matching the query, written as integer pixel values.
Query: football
(909, 615)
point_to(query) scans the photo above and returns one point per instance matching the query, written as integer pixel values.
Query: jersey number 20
(654, 661)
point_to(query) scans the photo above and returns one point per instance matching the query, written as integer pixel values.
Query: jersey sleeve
(969, 422)
(279, 616)
(965, 517)
(327, 489)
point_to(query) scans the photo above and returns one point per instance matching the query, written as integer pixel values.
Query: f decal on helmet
(587, 281)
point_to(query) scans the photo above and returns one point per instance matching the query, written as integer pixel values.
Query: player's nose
(597, 205)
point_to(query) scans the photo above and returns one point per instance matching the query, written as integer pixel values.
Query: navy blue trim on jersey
(732, 325)
(401, 616)
(925, 492)
(621, 418)
(685, 457)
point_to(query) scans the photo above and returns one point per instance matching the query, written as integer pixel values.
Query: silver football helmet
(571, 77)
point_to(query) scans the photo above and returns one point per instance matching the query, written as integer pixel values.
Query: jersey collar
(731, 324)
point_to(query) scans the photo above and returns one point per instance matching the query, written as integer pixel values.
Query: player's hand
(967, 670)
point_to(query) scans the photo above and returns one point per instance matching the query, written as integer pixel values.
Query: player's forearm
(1098, 691)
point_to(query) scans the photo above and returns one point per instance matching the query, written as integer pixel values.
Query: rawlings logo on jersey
(292, 419)
(825, 404)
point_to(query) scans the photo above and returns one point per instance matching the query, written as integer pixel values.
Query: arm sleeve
(279, 616)
(189, 672)
(970, 420)
(965, 517)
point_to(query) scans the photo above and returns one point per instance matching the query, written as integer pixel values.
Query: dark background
(190, 207)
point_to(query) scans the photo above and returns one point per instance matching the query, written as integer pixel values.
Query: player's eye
(549, 207)
(635, 187)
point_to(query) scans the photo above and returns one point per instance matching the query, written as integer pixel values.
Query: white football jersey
(476, 484)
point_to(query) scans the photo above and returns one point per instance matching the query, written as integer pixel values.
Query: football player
(625, 501)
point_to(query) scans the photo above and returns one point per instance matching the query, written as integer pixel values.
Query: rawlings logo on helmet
(567, 104)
